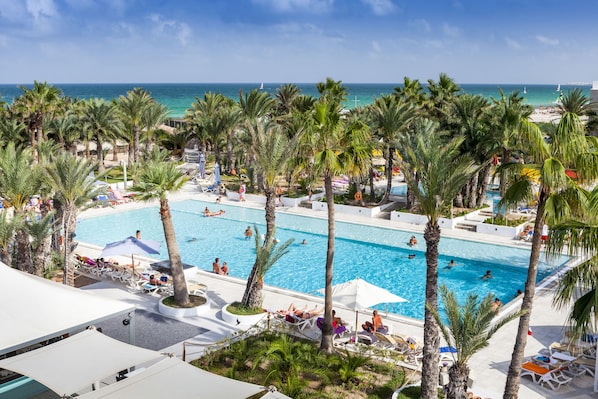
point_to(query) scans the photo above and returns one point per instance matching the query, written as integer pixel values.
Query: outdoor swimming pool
(375, 254)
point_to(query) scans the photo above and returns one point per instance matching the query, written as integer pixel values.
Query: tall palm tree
(441, 171)
(560, 197)
(468, 329)
(337, 147)
(19, 181)
(133, 106)
(102, 123)
(73, 191)
(154, 116)
(469, 117)
(286, 95)
(155, 181)
(510, 121)
(271, 150)
(34, 105)
(390, 119)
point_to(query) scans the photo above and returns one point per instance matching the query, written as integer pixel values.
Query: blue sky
(146, 41)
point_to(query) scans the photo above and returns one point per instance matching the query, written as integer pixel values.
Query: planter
(241, 320)
(184, 312)
(348, 209)
(294, 202)
(503, 231)
(421, 220)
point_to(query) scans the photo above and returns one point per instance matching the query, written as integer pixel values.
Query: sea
(178, 97)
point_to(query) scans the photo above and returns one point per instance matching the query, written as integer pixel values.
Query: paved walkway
(488, 367)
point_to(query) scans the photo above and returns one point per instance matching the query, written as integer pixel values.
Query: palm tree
(441, 174)
(559, 198)
(8, 229)
(390, 118)
(468, 329)
(266, 255)
(41, 245)
(101, 122)
(286, 95)
(469, 116)
(19, 181)
(271, 150)
(336, 148)
(73, 191)
(133, 107)
(155, 181)
(509, 122)
(153, 117)
(35, 105)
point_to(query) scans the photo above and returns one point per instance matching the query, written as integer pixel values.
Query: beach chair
(196, 288)
(544, 376)
(299, 323)
(338, 331)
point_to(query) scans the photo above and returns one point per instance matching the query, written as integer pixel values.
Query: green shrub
(241, 310)
(500, 221)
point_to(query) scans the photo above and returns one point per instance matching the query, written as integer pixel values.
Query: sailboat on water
(559, 99)
(262, 86)
(524, 89)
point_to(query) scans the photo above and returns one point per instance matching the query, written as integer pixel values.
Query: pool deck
(488, 367)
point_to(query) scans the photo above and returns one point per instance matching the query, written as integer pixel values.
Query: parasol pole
(356, 324)
(132, 266)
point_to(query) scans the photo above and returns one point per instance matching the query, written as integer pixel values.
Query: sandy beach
(545, 114)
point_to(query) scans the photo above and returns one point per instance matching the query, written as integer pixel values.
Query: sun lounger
(544, 376)
(299, 323)
(196, 288)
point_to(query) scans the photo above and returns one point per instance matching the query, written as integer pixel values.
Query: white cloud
(380, 7)
(421, 24)
(181, 30)
(514, 44)
(547, 40)
(286, 6)
(451, 31)
(41, 9)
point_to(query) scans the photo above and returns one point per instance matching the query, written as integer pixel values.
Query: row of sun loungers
(559, 364)
(136, 279)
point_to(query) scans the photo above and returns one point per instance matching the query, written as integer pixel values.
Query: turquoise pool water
(375, 254)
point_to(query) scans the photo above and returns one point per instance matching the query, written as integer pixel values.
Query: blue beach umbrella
(217, 173)
(131, 246)
(202, 165)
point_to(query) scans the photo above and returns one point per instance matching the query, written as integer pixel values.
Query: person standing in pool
(487, 276)
(216, 266)
(450, 265)
(138, 234)
(248, 233)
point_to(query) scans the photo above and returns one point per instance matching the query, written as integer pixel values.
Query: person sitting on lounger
(294, 314)
(375, 325)
(154, 281)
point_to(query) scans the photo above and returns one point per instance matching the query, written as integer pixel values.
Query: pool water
(378, 255)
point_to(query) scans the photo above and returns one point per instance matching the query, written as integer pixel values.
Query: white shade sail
(75, 363)
(35, 309)
(173, 378)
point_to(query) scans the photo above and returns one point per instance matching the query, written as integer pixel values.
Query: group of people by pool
(216, 268)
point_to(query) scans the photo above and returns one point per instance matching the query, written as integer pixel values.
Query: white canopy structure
(73, 364)
(35, 309)
(173, 378)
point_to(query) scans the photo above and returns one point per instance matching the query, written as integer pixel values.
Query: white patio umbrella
(217, 173)
(358, 294)
(131, 246)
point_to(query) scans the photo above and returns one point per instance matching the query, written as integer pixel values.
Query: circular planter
(183, 312)
(241, 320)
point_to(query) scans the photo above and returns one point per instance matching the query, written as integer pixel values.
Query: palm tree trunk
(458, 376)
(114, 151)
(430, 371)
(24, 262)
(6, 255)
(503, 174)
(483, 185)
(514, 374)
(388, 176)
(326, 345)
(70, 223)
(181, 295)
(100, 151)
(135, 143)
(252, 297)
